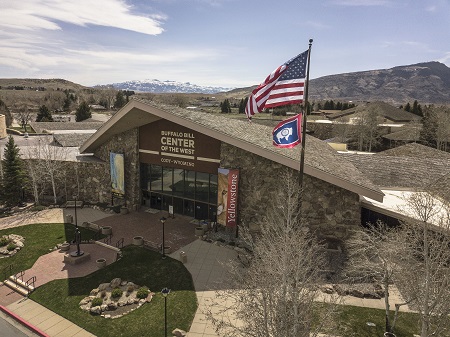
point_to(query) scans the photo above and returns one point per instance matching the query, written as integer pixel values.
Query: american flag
(284, 86)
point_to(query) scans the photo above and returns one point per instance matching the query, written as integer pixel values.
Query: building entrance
(190, 193)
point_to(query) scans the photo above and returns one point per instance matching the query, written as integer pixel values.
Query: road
(10, 328)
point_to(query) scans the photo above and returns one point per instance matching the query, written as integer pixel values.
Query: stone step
(21, 283)
(16, 287)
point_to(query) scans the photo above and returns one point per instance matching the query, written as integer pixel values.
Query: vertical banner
(117, 165)
(227, 197)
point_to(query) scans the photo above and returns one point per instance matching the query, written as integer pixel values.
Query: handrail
(107, 240)
(31, 281)
(119, 244)
(20, 276)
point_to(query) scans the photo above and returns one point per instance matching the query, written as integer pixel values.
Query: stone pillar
(2, 126)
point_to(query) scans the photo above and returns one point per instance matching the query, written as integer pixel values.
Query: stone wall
(2, 126)
(127, 143)
(329, 209)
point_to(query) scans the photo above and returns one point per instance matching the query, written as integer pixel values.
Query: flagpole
(305, 105)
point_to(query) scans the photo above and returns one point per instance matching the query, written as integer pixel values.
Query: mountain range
(158, 87)
(427, 83)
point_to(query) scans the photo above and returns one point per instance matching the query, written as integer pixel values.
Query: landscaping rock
(115, 283)
(103, 286)
(179, 333)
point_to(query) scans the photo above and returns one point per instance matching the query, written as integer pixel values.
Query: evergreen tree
(428, 133)
(408, 107)
(225, 106)
(242, 106)
(13, 179)
(416, 109)
(120, 100)
(44, 115)
(83, 112)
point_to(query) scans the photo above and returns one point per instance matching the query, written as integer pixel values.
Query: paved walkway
(205, 261)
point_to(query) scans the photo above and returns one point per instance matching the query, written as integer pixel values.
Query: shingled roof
(402, 171)
(71, 139)
(321, 161)
(383, 109)
(41, 127)
(415, 150)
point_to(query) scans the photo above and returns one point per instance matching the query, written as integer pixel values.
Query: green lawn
(146, 268)
(39, 239)
(138, 265)
(353, 322)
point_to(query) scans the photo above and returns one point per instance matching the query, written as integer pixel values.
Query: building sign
(169, 144)
(227, 197)
(117, 165)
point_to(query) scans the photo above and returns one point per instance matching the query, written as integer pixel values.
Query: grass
(146, 268)
(138, 265)
(353, 322)
(39, 240)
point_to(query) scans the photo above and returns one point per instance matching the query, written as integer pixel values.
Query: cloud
(45, 15)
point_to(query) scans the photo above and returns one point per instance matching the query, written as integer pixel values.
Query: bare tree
(46, 164)
(423, 262)
(371, 258)
(25, 116)
(275, 294)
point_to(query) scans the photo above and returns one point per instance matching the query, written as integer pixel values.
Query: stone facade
(329, 209)
(2, 126)
(128, 144)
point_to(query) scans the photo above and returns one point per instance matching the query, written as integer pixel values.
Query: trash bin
(183, 257)
(69, 218)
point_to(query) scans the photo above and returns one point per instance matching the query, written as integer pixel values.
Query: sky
(227, 43)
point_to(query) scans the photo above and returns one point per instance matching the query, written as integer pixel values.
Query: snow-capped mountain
(157, 86)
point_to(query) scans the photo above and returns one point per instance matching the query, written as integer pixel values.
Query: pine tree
(120, 100)
(83, 112)
(44, 115)
(416, 109)
(407, 107)
(14, 179)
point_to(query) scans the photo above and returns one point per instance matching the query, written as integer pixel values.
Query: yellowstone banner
(227, 197)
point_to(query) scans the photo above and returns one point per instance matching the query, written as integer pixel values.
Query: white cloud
(44, 14)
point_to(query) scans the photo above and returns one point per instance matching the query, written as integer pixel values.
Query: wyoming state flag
(288, 132)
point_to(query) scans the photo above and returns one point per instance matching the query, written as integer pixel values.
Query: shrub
(116, 293)
(96, 302)
(142, 292)
(4, 241)
(11, 246)
(103, 294)
(38, 208)
(130, 288)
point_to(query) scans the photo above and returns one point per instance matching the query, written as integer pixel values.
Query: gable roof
(383, 109)
(321, 161)
(401, 172)
(415, 150)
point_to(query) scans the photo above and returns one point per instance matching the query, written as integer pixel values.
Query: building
(177, 160)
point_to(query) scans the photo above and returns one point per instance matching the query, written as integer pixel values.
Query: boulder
(179, 333)
(103, 286)
(115, 283)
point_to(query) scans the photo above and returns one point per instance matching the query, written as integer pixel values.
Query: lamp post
(165, 292)
(76, 222)
(163, 220)
(77, 238)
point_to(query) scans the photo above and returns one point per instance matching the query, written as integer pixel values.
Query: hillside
(424, 82)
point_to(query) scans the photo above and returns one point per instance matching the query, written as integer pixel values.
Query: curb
(23, 322)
